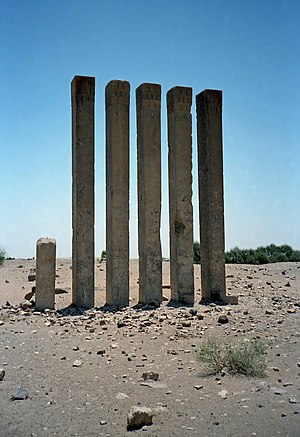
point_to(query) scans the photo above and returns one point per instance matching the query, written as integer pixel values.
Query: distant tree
(103, 256)
(197, 258)
(262, 255)
(2, 256)
(295, 256)
(234, 256)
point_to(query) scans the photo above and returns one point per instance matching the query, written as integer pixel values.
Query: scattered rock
(186, 324)
(139, 417)
(278, 391)
(25, 304)
(262, 385)
(2, 374)
(198, 387)
(150, 375)
(20, 395)
(153, 384)
(293, 400)
(77, 363)
(223, 319)
(121, 396)
(223, 394)
(121, 324)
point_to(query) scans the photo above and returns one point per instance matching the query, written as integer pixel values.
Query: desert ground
(81, 371)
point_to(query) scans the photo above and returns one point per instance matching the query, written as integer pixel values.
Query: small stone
(186, 324)
(139, 417)
(153, 384)
(262, 385)
(278, 391)
(25, 304)
(193, 311)
(20, 395)
(2, 374)
(77, 363)
(103, 422)
(223, 319)
(275, 369)
(269, 312)
(223, 394)
(121, 396)
(198, 387)
(293, 400)
(121, 323)
(150, 375)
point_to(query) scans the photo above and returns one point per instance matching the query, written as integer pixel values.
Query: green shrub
(103, 256)
(245, 358)
(197, 252)
(212, 354)
(262, 255)
(2, 256)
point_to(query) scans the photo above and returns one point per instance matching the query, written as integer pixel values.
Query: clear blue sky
(248, 48)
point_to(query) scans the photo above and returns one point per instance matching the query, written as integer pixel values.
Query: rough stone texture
(45, 273)
(148, 102)
(83, 138)
(117, 95)
(179, 100)
(139, 417)
(211, 197)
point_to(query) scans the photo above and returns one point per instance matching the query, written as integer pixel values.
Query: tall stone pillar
(117, 95)
(211, 197)
(148, 103)
(179, 101)
(45, 274)
(83, 252)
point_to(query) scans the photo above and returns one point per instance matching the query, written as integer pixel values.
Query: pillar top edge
(179, 99)
(178, 89)
(148, 91)
(83, 85)
(79, 78)
(209, 95)
(45, 240)
(118, 84)
(149, 85)
(210, 91)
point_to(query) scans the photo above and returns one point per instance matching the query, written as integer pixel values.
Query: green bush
(2, 256)
(197, 258)
(245, 358)
(262, 255)
(103, 256)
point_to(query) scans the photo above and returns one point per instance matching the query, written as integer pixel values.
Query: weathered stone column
(148, 103)
(83, 252)
(211, 198)
(45, 274)
(117, 94)
(179, 101)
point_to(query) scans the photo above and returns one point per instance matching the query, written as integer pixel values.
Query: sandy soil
(114, 348)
